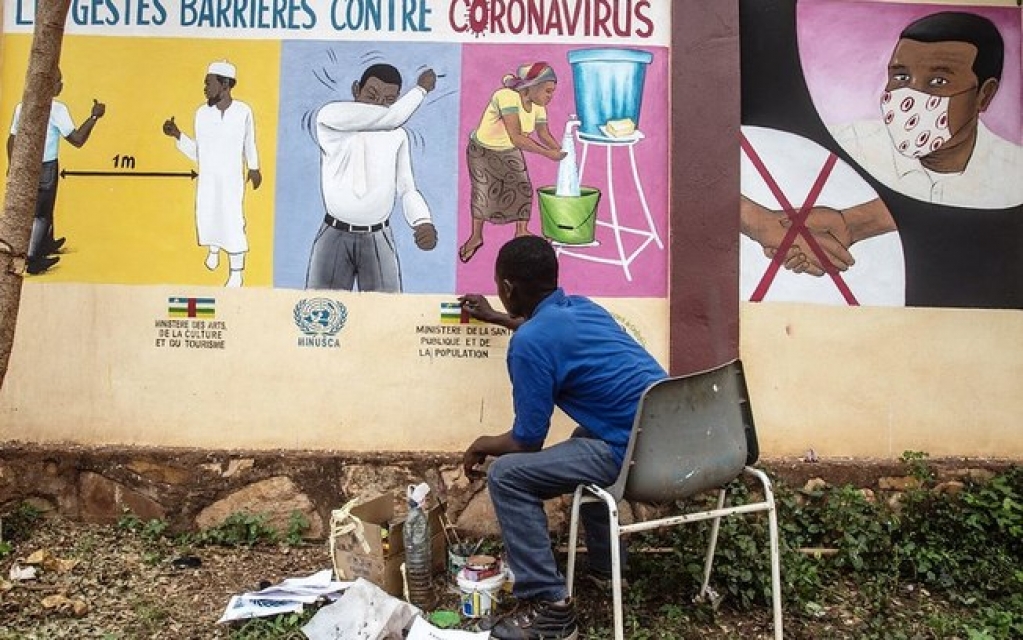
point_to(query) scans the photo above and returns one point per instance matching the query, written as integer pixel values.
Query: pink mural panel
(483, 67)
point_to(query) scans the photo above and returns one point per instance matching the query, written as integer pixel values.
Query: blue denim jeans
(520, 482)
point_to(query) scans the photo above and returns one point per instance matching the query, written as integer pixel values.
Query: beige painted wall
(874, 381)
(86, 369)
(846, 382)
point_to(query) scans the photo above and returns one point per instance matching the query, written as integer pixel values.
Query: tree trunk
(26, 165)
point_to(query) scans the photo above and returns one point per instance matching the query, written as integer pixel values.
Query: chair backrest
(691, 433)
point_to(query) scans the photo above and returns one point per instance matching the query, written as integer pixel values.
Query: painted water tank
(608, 86)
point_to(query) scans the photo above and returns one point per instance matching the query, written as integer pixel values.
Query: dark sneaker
(54, 246)
(41, 265)
(538, 621)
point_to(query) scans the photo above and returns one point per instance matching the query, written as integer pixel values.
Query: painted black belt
(355, 228)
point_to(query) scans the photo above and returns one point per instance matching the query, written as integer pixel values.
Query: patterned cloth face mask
(917, 122)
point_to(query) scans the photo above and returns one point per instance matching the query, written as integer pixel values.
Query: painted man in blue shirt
(570, 353)
(43, 244)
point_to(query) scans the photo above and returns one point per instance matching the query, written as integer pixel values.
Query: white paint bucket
(479, 597)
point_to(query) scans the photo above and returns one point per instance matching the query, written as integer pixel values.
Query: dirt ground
(114, 584)
(127, 587)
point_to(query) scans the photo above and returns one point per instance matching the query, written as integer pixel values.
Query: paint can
(481, 567)
(479, 596)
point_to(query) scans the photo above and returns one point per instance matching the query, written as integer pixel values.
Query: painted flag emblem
(452, 313)
(191, 307)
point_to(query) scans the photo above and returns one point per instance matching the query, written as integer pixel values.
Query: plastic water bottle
(418, 565)
(568, 172)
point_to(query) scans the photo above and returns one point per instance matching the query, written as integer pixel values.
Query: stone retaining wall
(192, 489)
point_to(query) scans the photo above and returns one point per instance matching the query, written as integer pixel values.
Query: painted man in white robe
(224, 145)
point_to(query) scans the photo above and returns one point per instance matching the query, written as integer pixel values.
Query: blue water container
(608, 86)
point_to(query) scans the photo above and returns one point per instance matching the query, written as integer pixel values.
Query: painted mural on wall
(358, 145)
(225, 141)
(43, 244)
(881, 149)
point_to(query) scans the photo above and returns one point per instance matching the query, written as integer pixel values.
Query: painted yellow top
(491, 132)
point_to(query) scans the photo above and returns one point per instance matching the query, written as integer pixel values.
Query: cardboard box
(382, 564)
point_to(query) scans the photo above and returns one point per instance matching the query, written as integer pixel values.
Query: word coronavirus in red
(600, 18)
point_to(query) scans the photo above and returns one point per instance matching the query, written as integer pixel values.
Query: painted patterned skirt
(501, 190)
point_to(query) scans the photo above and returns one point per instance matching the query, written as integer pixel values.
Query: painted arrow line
(191, 175)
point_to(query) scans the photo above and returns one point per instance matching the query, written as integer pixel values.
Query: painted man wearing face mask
(929, 142)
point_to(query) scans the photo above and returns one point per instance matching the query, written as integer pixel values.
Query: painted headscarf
(529, 75)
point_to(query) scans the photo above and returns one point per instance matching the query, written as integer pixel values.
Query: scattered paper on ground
(18, 572)
(243, 608)
(307, 590)
(289, 596)
(423, 630)
(364, 612)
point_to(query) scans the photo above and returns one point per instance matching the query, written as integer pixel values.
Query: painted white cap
(222, 68)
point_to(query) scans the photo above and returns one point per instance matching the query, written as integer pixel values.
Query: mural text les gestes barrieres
(473, 18)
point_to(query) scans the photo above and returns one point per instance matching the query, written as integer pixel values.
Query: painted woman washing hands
(501, 189)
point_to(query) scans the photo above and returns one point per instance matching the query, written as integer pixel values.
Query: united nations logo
(320, 318)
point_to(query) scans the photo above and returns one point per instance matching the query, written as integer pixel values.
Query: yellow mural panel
(124, 226)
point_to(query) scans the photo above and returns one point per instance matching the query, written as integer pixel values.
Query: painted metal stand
(647, 235)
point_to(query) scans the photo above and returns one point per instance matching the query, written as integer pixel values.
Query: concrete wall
(83, 370)
(875, 382)
(88, 367)
(869, 382)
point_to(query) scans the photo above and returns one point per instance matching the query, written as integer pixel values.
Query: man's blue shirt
(573, 354)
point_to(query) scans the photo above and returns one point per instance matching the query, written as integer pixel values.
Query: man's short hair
(958, 26)
(529, 262)
(385, 73)
(230, 82)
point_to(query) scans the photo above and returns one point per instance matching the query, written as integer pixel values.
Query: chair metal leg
(597, 494)
(708, 562)
(616, 568)
(772, 519)
(772, 522)
(573, 539)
